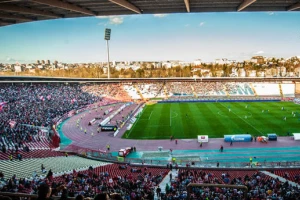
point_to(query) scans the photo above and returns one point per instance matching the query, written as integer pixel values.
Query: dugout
(237, 138)
(272, 137)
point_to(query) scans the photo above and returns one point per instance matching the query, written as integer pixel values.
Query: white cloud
(160, 15)
(9, 59)
(270, 13)
(201, 23)
(187, 25)
(260, 52)
(102, 24)
(115, 20)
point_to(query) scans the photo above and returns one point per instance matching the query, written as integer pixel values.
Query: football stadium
(163, 129)
(222, 132)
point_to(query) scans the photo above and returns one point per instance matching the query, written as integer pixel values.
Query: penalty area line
(244, 120)
(150, 115)
(170, 118)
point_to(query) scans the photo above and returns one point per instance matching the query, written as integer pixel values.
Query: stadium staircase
(253, 89)
(139, 92)
(166, 181)
(160, 90)
(166, 92)
(227, 93)
(283, 180)
(58, 165)
(193, 89)
(280, 89)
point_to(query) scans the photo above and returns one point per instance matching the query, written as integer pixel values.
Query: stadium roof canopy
(18, 11)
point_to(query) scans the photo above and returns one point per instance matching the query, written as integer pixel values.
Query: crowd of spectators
(151, 89)
(142, 183)
(208, 88)
(132, 183)
(259, 186)
(297, 100)
(110, 90)
(24, 107)
(179, 88)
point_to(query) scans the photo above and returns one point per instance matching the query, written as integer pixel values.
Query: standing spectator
(50, 175)
(221, 148)
(43, 168)
(158, 191)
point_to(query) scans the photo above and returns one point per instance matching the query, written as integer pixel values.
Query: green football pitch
(188, 120)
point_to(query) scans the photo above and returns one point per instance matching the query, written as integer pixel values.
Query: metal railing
(22, 196)
(108, 157)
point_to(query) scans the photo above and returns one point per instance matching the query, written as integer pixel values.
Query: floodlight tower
(107, 37)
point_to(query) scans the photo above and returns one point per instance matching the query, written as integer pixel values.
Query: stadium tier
(130, 137)
(58, 165)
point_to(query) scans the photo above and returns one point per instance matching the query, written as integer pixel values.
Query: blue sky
(187, 37)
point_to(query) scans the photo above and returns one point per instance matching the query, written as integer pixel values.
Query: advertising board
(109, 128)
(238, 138)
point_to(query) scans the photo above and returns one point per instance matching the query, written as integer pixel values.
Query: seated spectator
(122, 167)
(286, 175)
(3, 149)
(44, 192)
(64, 195)
(79, 197)
(115, 196)
(102, 196)
(133, 170)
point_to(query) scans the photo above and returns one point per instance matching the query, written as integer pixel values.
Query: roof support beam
(9, 1)
(18, 9)
(245, 4)
(187, 5)
(16, 17)
(64, 5)
(127, 5)
(294, 7)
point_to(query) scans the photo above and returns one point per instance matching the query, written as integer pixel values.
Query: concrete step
(280, 178)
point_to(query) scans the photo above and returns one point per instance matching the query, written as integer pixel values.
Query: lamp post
(107, 38)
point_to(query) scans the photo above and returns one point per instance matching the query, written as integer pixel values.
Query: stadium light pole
(107, 38)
